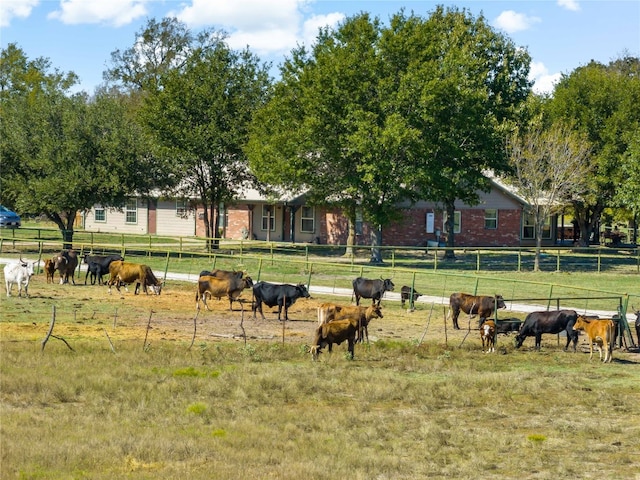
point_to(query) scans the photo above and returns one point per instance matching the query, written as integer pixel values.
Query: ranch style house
(501, 219)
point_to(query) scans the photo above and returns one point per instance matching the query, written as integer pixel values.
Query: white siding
(115, 221)
(169, 223)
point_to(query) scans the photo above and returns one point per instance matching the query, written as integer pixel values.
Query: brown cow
(49, 269)
(600, 332)
(328, 312)
(66, 263)
(336, 331)
(481, 305)
(121, 272)
(488, 336)
(231, 287)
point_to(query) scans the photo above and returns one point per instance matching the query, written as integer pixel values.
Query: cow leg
(456, 314)
(538, 340)
(351, 346)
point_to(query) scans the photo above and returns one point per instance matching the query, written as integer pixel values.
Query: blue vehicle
(8, 218)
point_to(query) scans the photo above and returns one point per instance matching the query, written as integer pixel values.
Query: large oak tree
(373, 115)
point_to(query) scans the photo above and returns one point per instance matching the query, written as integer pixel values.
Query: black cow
(98, 266)
(537, 323)
(282, 295)
(481, 305)
(508, 325)
(405, 293)
(373, 289)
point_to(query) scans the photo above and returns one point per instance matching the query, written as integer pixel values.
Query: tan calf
(600, 331)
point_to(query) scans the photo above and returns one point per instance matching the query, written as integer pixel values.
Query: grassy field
(152, 390)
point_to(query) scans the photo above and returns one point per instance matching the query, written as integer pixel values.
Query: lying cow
(66, 263)
(481, 305)
(336, 331)
(405, 293)
(508, 325)
(18, 273)
(49, 269)
(488, 336)
(373, 289)
(121, 272)
(218, 287)
(98, 266)
(599, 331)
(329, 312)
(272, 294)
(537, 323)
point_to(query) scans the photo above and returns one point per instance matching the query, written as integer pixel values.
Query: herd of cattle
(336, 323)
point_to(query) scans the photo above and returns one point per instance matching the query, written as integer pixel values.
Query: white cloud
(544, 81)
(10, 9)
(512, 22)
(572, 5)
(112, 12)
(268, 28)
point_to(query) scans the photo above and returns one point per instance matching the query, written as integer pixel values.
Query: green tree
(158, 48)
(64, 153)
(602, 102)
(199, 120)
(374, 116)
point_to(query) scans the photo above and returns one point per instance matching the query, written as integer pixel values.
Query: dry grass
(226, 409)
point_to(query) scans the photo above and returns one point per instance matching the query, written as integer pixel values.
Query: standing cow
(405, 294)
(66, 263)
(121, 272)
(481, 305)
(373, 289)
(537, 323)
(49, 269)
(98, 266)
(18, 274)
(282, 295)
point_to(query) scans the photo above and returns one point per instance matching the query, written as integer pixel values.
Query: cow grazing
(18, 273)
(329, 312)
(121, 272)
(219, 287)
(537, 323)
(488, 336)
(336, 331)
(98, 266)
(373, 289)
(66, 263)
(49, 269)
(480, 305)
(282, 295)
(600, 332)
(405, 293)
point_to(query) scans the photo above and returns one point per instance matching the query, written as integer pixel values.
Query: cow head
(59, 261)
(374, 311)
(247, 282)
(28, 266)
(302, 290)
(500, 302)
(388, 285)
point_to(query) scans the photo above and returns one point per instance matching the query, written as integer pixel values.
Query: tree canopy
(372, 116)
(601, 101)
(63, 153)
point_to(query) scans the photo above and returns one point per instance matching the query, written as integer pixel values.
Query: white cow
(18, 273)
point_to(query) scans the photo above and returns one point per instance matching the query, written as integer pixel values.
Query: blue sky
(79, 35)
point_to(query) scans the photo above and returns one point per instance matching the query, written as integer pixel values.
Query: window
(456, 222)
(182, 209)
(100, 214)
(529, 227)
(307, 220)
(268, 218)
(131, 211)
(491, 219)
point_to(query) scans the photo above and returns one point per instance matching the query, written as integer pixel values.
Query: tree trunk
(351, 230)
(450, 227)
(536, 261)
(376, 241)
(65, 224)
